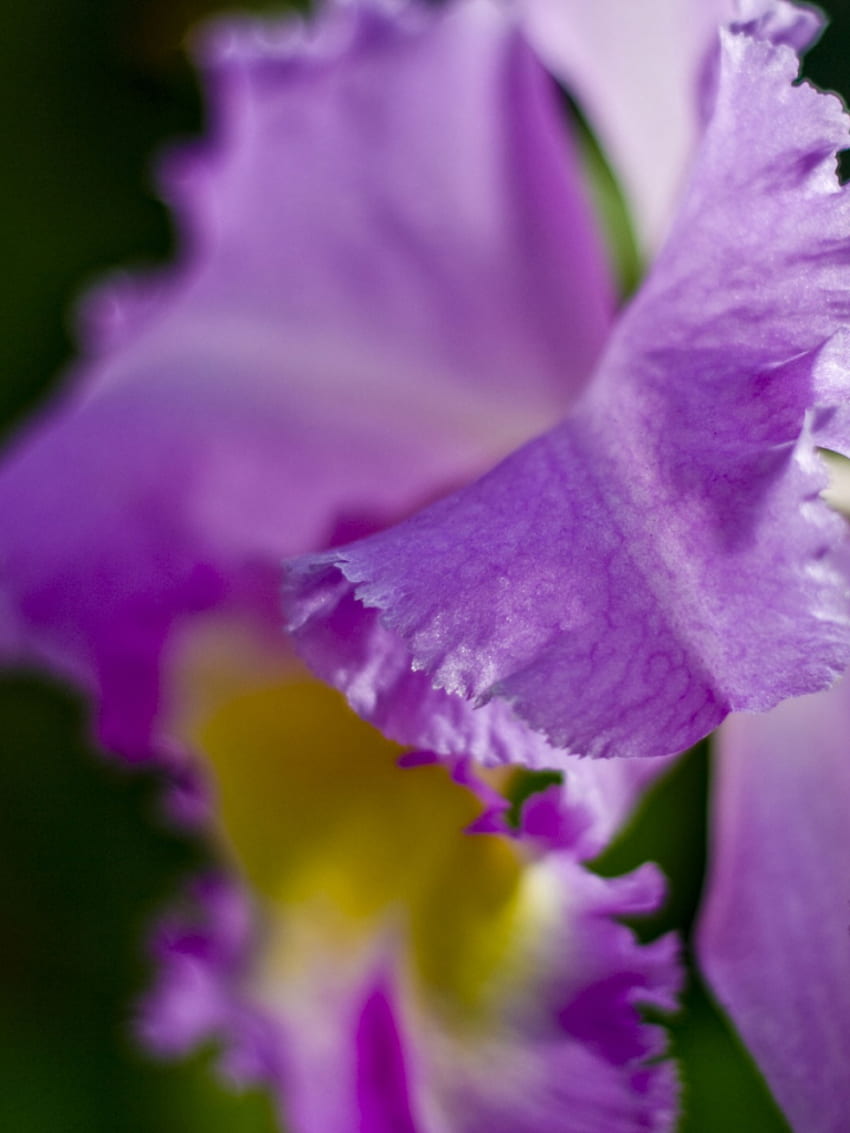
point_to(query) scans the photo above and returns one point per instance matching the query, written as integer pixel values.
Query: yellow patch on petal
(343, 844)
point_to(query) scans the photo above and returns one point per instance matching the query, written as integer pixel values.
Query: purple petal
(382, 1095)
(636, 70)
(797, 25)
(570, 1092)
(663, 556)
(639, 71)
(557, 1045)
(190, 1000)
(775, 935)
(390, 278)
(595, 1079)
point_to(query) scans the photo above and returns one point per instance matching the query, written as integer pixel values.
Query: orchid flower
(664, 555)
(392, 279)
(379, 939)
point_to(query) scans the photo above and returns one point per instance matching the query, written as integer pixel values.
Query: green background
(89, 90)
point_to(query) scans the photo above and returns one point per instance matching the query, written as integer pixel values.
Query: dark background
(89, 90)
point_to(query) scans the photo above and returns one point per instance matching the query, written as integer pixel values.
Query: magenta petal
(662, 557)
(775, 935)
(391, 278)
(383, 1103)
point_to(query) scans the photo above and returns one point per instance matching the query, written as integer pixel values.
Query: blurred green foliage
(90, 90)
(85, 863)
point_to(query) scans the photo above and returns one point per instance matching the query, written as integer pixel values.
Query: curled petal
(663, 556)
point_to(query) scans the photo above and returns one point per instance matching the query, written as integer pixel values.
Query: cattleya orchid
(393, 279)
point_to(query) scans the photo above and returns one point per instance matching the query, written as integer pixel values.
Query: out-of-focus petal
(448, 980)
(663, 556)
(774, 940)
(636, 70)
(639, 72)
(595, 1077)
(390, 277)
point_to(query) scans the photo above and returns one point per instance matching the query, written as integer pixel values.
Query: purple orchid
(321, 362)
(391, 279)
(660, 557)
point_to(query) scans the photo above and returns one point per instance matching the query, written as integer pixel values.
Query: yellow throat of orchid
(344, 847)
